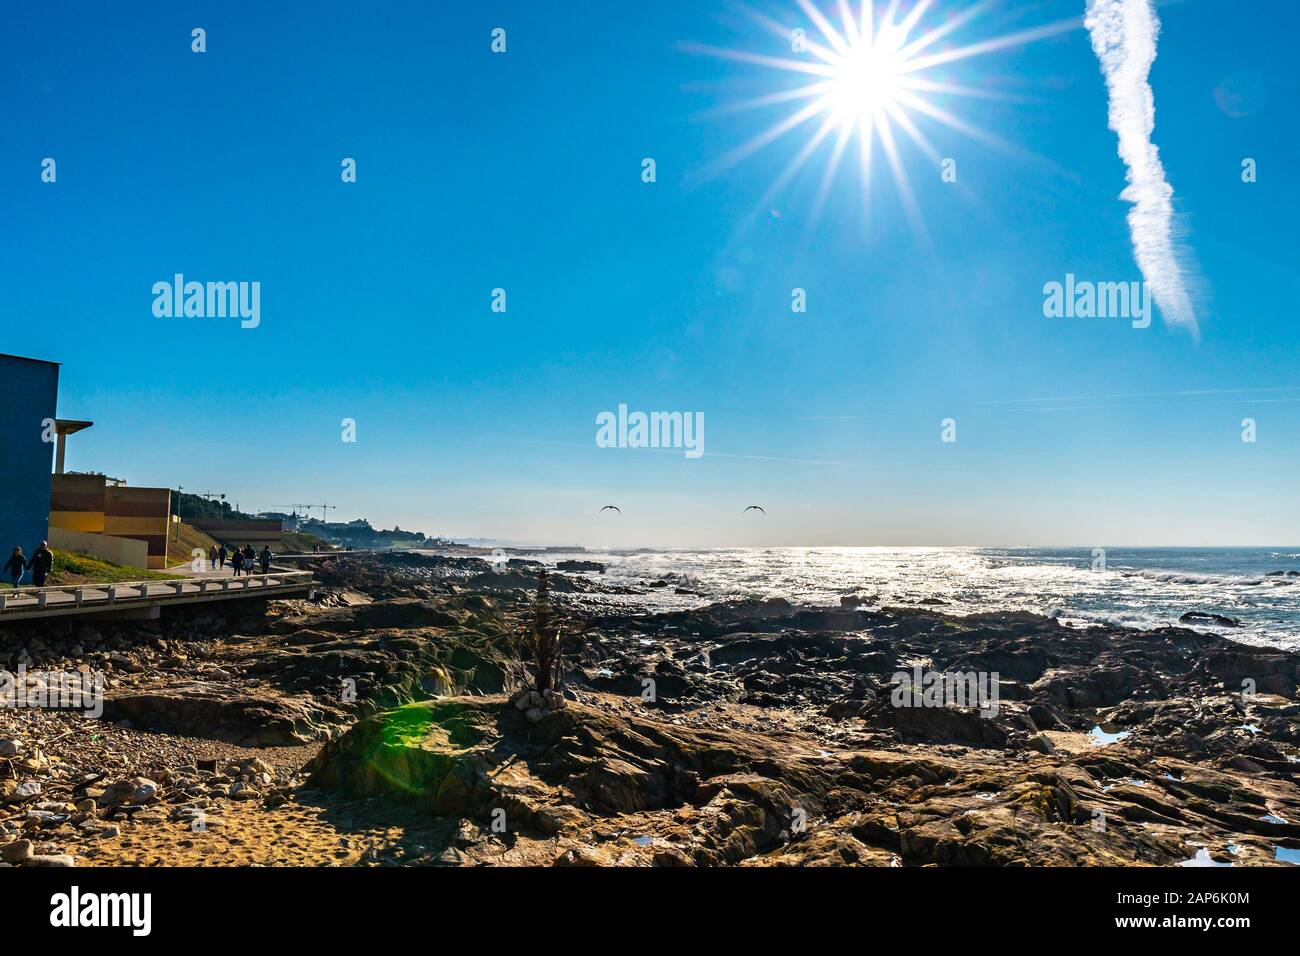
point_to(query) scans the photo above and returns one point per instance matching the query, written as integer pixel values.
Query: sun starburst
(871, 77)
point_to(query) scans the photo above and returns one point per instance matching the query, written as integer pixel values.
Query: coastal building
(105, 517)
(29, 393)
(242, 531)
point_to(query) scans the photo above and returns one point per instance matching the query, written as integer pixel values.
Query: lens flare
(871, 77)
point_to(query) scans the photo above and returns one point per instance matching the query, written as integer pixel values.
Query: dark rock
(579, 566)
(1191, 617)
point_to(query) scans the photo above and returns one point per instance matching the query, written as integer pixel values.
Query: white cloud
(1124, 36)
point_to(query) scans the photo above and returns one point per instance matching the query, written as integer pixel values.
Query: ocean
(1138, 587)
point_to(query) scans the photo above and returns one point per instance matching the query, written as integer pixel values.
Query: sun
(873, 78)
(865, 81)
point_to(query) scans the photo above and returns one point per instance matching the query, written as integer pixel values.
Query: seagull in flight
(755, 508)
(612, 508)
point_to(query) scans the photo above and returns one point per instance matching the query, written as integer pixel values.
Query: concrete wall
(123, 551)
(29, 392)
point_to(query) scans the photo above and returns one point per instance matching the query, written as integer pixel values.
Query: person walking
(236, 561)
(221, 557)
(265, 558)
(41, 564)
(212, 557)
(249, 557)
(15, 566)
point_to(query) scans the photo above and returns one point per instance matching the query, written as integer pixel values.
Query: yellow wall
(91, 522)
(127, 526)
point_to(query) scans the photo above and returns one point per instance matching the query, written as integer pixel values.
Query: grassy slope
(180, 551)
(70, 568)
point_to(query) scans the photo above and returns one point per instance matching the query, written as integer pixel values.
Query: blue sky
(523, 171)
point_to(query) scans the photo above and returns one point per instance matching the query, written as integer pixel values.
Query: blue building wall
(29, 392)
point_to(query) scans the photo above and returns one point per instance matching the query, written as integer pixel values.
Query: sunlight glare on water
(1141, 588)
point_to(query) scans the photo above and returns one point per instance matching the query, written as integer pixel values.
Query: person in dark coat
(237, 560)
(265, 558)
(15, 566)
(221, 557)
(41, 564)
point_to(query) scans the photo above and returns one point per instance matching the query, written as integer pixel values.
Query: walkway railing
(67, 598)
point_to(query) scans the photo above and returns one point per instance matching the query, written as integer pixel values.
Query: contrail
(1124, 36)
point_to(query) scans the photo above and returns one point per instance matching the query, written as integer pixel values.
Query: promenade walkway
(146, 598)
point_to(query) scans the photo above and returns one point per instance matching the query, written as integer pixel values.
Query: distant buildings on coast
(358, 533)
(105, 517)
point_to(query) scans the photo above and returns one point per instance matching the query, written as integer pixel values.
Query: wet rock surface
(750, 732)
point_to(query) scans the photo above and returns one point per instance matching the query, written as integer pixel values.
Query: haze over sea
(1139, 587)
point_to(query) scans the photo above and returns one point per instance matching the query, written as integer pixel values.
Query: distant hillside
(360, 534)
(195, 506)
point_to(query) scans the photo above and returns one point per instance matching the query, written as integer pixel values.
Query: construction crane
(323, 508)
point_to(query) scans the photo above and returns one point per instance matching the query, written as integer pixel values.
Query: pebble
(46, 818)
(18, 852)
(26, 790)
(451, 857)
(145, 790)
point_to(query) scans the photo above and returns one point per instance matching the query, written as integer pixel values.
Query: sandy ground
(325, 833)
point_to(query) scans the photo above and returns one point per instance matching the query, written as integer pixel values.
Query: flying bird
(612, 508)
(755, 508)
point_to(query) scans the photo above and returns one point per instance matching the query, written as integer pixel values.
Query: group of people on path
(40, 564)
(241, 560)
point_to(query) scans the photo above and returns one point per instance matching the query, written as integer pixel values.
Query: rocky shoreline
(386, 722)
